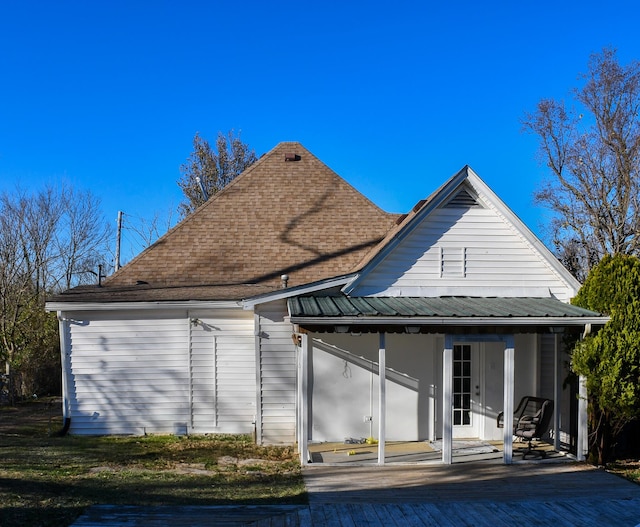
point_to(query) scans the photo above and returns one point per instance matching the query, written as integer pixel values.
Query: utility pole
(119, 233)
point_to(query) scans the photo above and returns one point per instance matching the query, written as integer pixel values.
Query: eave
(124, 306)
(305, 289)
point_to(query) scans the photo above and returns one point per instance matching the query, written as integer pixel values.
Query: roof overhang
(450, 321)
(121, 306)
(441, 314)
(306, 289)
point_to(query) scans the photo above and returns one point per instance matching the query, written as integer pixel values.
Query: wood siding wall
(491, 259)
(154, 371)
(223, 387)
(278, 356)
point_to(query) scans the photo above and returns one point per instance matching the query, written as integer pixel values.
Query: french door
(467, 407)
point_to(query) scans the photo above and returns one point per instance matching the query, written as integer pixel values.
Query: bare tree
(209, 170)
(49, 240)
(81, 239)
(593, 152)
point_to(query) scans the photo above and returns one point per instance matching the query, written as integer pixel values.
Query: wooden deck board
(478, 495)
(500, 513)
(582, 512)
(411, 518)
(346, 515)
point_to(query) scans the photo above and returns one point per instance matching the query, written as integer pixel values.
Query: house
(291, 307)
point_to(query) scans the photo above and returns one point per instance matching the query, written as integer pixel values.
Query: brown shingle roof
(294, 217)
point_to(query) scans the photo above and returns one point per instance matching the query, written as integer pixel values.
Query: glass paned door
(462, 385)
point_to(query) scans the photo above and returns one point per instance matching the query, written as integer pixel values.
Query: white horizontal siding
(136, 372)
(128, 375)
(499, 261)
(277, 376)
(223, 379)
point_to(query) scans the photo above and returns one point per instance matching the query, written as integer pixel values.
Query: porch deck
(424, 452)
(462, 494)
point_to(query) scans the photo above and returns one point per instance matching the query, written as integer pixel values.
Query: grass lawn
(629, 469)
(48, 481)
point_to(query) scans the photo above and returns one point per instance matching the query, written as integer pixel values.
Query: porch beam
(509, 383)
(382, 397)
(447, 400)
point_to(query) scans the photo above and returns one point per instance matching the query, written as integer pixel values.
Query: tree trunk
(600, 446)
(9, 380)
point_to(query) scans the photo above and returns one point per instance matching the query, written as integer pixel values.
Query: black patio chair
(531, 421)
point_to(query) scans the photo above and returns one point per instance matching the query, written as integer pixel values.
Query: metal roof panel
(450, 307)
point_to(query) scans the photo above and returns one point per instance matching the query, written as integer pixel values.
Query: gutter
(123, 306)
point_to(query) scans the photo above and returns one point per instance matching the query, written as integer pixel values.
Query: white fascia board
(250, 303)
(450, 321)
(127, 306)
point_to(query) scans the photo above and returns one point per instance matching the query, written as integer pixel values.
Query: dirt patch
(198, 469)
(229, 460)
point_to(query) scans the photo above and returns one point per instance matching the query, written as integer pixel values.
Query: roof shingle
(294, 217)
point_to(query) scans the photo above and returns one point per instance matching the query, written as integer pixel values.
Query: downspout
(63, 326)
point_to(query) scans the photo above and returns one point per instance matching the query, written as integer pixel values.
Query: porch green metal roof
(335, 308)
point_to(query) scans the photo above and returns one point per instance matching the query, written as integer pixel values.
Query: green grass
(49, 481)
(629, 469)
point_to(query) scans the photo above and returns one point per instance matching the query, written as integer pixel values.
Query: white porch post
(508, 398)
(382, 399)
(583, 427)
(556, 393)
(303, 414)
(447, 398)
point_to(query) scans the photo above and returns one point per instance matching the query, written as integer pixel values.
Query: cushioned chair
(531, 421)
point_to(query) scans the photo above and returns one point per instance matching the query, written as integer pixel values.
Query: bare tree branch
(593, 153)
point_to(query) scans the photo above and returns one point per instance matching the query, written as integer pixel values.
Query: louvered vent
(462, 200)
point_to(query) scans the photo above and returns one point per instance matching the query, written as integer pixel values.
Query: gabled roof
(286, 214)
(463, 189)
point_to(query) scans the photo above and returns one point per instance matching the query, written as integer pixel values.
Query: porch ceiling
(439, 312)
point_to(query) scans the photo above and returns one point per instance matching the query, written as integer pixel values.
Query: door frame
(476, 430)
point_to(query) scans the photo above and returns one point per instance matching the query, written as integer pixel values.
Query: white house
(289, 306)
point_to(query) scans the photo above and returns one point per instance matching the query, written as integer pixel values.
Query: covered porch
(428, 452)
(425, 372)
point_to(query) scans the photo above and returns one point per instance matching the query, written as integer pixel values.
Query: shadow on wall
(344, 397)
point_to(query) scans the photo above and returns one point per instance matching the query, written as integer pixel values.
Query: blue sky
(394, 96)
